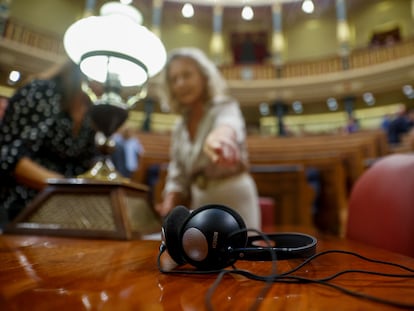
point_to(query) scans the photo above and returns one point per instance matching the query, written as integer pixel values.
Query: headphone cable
(338, 251)
(294, 279)
(287, 277)
(264, 290)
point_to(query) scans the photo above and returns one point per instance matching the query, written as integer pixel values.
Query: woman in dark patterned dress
(46, 133)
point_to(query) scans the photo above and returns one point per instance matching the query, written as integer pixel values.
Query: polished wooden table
(52, 273)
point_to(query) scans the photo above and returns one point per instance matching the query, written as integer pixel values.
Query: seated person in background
(208, 159)
(351, 126)
(400, 125)
(385, 122)
(127, 151)
(46, 133)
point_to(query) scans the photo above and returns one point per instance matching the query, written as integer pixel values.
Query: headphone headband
(288, 245)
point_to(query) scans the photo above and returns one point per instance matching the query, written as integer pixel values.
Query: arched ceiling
(351, 4)
(235, 3)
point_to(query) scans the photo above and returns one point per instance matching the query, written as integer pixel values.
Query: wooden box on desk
(89, 208)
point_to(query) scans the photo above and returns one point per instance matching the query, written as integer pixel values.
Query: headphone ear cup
(209, 233)
(171, 229)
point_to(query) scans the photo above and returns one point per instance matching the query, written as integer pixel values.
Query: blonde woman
(208, 157)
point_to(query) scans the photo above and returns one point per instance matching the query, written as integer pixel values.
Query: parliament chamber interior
(326, 93)
(300, 79)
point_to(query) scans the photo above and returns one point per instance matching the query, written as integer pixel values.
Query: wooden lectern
(88, 208)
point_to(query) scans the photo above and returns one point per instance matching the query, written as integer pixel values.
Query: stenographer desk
(41, 273)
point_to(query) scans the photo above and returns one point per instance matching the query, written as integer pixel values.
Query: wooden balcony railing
(22, 33)
(373, 56)
(357, 59)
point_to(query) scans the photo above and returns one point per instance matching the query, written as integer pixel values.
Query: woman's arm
(221, 146)
(32, 174)
(22, 134)
(224, 144)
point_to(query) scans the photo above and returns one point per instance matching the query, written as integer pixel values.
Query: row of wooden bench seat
(332, 202)
(372, 143)
(353, 149)
(282, 183)
(339, 160)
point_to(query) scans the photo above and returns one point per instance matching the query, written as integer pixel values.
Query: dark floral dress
(36, 126)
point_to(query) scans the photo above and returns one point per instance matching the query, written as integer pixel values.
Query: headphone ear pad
(208, 234)
(171, 229)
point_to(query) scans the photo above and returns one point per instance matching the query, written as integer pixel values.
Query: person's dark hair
(69, 81)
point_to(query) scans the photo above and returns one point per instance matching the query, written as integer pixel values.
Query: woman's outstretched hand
(221, 146)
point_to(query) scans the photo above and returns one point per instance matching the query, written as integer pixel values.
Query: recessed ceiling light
(187, 10)
(308, 7)
(247, 13)
(14, 76)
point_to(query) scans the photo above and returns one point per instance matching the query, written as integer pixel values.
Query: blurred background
(312, 62)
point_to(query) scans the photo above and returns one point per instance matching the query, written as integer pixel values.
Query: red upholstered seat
(267, 208)
(381, 205)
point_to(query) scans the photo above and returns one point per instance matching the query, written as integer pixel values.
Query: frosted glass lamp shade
(115, 43)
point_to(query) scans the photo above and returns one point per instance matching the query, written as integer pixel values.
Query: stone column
(280, 109)
(216, 43)
(412, 8)
(278, 44)
(157, 16)
(90, 6)
(349, 102)
(342, 32)
(4, 15)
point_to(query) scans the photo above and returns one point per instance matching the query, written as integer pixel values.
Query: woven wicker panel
(76, 211)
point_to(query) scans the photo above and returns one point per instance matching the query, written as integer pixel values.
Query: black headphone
(214, 236)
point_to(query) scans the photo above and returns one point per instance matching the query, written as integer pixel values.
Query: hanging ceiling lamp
(115, 43)
(117, 51)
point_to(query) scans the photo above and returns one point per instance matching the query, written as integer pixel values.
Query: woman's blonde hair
(216, 85)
